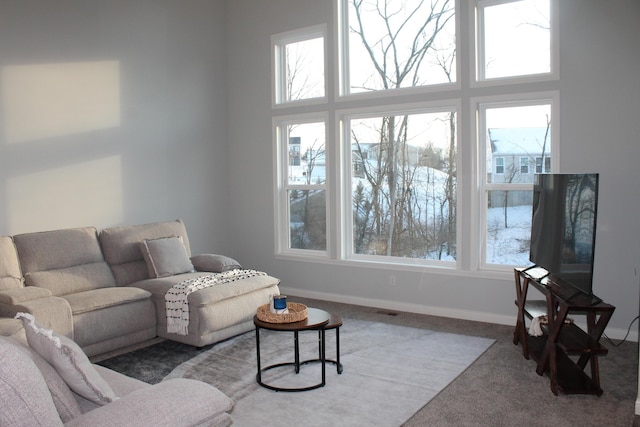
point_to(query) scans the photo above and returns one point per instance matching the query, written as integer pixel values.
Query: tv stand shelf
(561, 337)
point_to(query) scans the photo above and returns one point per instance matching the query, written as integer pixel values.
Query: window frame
(466, 93)
(279, 60)
(345, 249)
(477, 78)
(479, 106)
(282, 185)
(342, 91)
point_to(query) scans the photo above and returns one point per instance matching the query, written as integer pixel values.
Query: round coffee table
(316, 320)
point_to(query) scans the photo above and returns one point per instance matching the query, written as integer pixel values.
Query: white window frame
(467, 93)
(282, 185)
(346, 219)
(278, 65)
(478, 79)
(342, 88)
(479, 105)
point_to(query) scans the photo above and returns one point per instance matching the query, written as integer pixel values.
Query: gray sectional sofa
(100, 288)
(47, 381)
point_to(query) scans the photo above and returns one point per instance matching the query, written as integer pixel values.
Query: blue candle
(280, 302)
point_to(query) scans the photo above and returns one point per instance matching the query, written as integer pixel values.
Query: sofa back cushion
(121, 247)
(63, 261)
(10, 273)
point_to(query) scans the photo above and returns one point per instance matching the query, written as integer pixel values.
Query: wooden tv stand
(564, 349)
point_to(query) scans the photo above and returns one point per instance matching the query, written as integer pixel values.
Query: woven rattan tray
(297, 313)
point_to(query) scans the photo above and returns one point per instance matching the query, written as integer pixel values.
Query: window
(403, 189)
(299, 65)
(370, 173)
(516, 132)
(514, 38)
(397, 44)
(303, 179)
(546, 161)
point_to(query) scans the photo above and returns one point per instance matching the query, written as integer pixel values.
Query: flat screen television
(563, 228)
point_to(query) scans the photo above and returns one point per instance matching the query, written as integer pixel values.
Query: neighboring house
(517, 154)
(305, 167)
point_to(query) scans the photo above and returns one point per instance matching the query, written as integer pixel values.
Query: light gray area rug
(390, 372)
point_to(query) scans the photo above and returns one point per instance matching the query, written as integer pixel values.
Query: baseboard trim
(399, 306)
(476, 316)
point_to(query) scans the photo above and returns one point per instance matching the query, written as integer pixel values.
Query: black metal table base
(296, 364)
(333, 362)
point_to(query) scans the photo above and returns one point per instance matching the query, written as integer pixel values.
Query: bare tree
(396, 64)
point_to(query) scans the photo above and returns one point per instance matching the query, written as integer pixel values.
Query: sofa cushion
(175, 402)
(69, 280)
(25, 397)
(52, 250)
(10, 273)
(121, 247)
(214, 263)
(166, 256)
(64, 400)
(83, 302)
(68, 360)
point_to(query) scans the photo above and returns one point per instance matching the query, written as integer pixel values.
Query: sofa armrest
(50, 312)
(20, 295)
(175, 402)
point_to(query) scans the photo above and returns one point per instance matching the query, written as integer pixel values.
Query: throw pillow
(69, 361)
(214, 263)
(166, 256)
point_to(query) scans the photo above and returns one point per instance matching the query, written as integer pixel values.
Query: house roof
(519, 141)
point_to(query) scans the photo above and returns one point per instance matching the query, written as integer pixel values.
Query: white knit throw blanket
(177, 305)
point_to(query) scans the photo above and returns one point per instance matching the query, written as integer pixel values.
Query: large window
(426, 148)
(402, 184)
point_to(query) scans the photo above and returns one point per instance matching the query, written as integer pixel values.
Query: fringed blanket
(176, 297)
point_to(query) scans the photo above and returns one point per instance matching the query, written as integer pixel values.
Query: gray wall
(158, 151)
(189, 136)
(600, 132)
(192, 140)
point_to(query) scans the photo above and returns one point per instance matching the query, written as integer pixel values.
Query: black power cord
(625, 337)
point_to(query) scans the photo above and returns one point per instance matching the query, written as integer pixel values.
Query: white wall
(133, 128)
(600, 131)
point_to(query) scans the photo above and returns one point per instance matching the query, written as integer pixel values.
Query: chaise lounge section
(215, 313)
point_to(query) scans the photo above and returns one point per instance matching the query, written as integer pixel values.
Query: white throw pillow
(166, 256)
(69, 361)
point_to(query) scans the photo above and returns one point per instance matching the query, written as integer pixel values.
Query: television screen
(563, 227)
